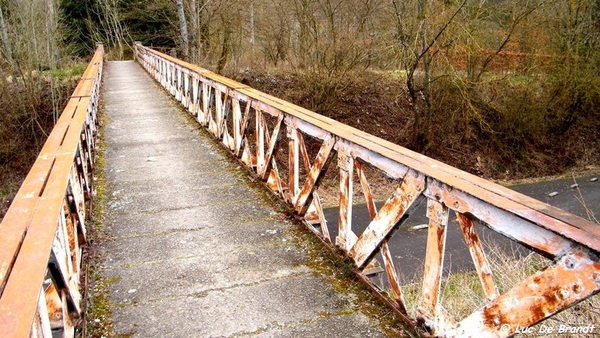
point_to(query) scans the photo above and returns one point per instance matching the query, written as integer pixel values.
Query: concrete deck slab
(196, 250)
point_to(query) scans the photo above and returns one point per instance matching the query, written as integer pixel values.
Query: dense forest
(500, 88)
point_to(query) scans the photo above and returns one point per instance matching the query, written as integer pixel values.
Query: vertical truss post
(346, 238)
(430, 311)
(293, 164)
(260, 141)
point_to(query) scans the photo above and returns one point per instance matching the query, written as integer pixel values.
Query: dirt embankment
(26, 119)
(378, 103)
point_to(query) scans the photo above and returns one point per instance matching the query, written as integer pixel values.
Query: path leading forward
(196, 250)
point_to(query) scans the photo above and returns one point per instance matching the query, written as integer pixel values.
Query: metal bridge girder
(257, 121)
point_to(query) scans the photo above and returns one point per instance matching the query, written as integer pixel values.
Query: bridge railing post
(136, 45)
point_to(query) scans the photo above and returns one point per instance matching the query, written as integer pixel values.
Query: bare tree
(193, 30)
(481, 49)
(5, 41)
(416, 52)
(185, 45)
(105, 24)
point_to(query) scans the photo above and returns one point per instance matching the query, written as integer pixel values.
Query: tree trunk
(252, 24)
(224, 51)
(7, 50)
(193, 31)
(421, 111)
(185, 45)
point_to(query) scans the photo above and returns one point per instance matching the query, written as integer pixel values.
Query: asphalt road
(408, 245)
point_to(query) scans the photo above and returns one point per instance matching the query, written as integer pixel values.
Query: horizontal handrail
(43, 231)
(255, 126)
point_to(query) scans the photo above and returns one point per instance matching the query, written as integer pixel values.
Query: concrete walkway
(196, 251)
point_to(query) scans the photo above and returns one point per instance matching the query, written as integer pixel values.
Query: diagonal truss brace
(388, 216)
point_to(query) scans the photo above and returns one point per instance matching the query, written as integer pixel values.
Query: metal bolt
(569, 264)
(596, 277)
(577, 288)
(563, 293)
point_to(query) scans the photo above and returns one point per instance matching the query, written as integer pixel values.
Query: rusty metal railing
(43, 231)
(291, 148)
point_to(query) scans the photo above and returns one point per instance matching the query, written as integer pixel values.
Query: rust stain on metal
(316, 203)
(537, 297)
(314, 176)
(388, 216)
(366, 189)
(54, 305)
(482, 265)
(434, 261)
(393, 277)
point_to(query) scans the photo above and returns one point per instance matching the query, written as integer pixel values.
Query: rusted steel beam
(388, 262)
(547, 230)
(204, 114)
(273, 142)
(545, 242)
(45, 223)
(482, 266)
(243, 127)
(388, 216)
(346, 238)
(18, 217)
(574, 277)
(314, 176)
(293, 164)
(430, 309)
(237, 127)
(321, 217)
(366, 189)
(42, 323)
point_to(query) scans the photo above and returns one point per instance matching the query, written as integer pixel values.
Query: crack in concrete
(206, 293)
(290, 325)
(182, 258)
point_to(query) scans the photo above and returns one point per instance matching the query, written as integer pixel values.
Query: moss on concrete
(98, 307)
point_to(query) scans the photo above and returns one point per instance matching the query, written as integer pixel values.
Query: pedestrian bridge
(197, 249)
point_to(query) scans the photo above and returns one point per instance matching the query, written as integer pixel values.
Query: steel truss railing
(255, 126)
(44, 230)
